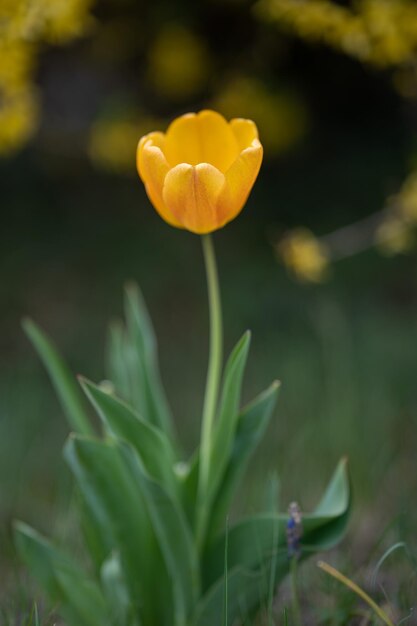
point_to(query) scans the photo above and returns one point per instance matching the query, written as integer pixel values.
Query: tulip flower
(198, 175)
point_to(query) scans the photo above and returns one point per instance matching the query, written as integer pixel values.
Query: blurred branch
(391, 230)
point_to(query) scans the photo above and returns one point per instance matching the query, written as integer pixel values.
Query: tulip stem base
(212, 385)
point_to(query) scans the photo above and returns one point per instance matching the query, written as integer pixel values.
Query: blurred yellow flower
(304, 255)
(179, 63)
(198, 175)
(19, 112)
(23, 25)
(65, 20)
(282, 119)
(113, 142)
(394, 236)
(407, 199)
(17, 59)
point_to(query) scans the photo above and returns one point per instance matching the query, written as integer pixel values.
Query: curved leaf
(174, 537)
(151, 444)
(65, 386)
(112, 494)
(225, 425)
(252, 423)
(117, 365)
(252, 542)
(152, 404)
(81, 600)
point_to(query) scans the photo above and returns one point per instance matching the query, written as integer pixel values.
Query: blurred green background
(339, 140)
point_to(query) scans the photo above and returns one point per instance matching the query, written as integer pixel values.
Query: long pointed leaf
(80, 599)
(228, 412)
(98, 538)
(152, 402)
(67, 390)
(117, 365)
(251, 427)
(174, 537)
(151, 444)
(113, 494)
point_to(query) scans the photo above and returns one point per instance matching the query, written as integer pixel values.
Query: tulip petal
(191, 194)
(202, 138)
(219, 145)
(156, 139)
(245, 132)
(153, 168)
(239, 180)
(182, 141)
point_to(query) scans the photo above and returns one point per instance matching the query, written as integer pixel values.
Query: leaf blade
(65, 386)
(82, 603)
(152, 403)
(151, 444)
(251, 426)
(228, 412)
(251, 541)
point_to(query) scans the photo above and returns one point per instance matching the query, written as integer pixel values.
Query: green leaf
(98, 539)
(116, 503)
(81, 601)
(251, 426)
(334, 499)
(115, 588)
(174, 537)
(66, 388)
(228, 412)
(152, 404)
(335, 507)
(151, 444)
(148, 527)
(256, 542)
(117, 364)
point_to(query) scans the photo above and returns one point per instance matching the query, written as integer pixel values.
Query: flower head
(198, 175)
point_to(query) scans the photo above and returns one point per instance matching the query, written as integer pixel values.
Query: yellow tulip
(198, 175)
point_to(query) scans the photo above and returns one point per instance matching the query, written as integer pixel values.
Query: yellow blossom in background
(67, 19)
(394, 236)
(179, 63)
(198, 175)
(281, 117)
(19, 113)
(407, 199)
(20, 19)
(24, 25)
(58, 21)
(304, 255)
(113, 142)
(381, 32)
(17, 62)
(396, 233)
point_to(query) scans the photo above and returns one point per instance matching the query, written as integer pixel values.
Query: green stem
(212, 384)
